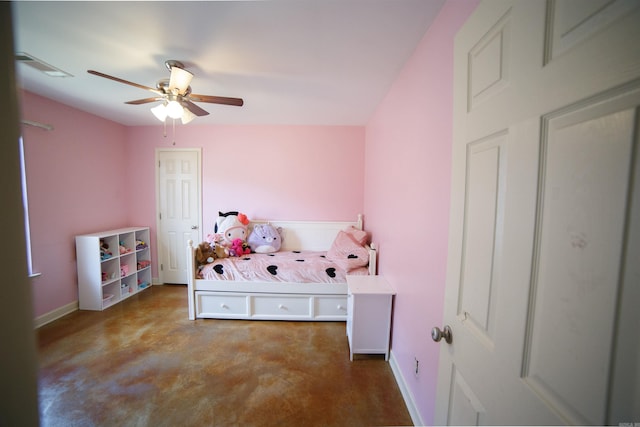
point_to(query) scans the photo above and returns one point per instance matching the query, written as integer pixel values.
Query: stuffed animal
(205, 253)
(231, 226)
(265, 238)
(238, 248)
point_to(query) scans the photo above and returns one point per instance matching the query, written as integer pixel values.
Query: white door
(179, 212)
(542, 283)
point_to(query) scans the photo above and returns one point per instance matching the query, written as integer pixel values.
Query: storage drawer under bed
(330, 307)
(226, 305)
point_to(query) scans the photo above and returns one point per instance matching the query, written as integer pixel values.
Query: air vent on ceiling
(50, 70)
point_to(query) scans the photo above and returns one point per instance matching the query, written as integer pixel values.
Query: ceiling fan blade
(217, 100)
(193, 108)
(180, 79)
(145, 100)
(119, 80)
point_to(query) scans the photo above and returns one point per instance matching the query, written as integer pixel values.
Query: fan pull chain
(174, 131)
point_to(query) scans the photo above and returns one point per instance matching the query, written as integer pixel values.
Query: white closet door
(179, 211)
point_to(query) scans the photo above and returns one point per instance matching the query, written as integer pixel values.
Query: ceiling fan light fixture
(160, 111)
(180, 79)
(187, 116)
(174, 110)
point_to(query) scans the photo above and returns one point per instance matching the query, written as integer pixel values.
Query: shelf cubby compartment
(108, 247)
(128, 286)
(126, 243)
(127, 264)
(110, 294)
(144, 278)
(142, 240)
(110, 271)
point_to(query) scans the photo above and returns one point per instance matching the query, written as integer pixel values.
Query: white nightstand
(369, 315)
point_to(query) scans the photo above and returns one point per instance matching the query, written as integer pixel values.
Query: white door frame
(159, 236)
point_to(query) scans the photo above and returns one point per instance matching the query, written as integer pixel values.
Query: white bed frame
(276, 301)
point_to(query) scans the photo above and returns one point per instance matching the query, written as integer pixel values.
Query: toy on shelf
(104, 250)
(124, 249)
(106, 276)
(141, 244)
(143, 264)
(125, 289)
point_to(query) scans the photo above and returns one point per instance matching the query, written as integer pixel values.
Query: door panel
(466, 409)
(571, 22)
(488, 63)
(584, 185)
(478, 286)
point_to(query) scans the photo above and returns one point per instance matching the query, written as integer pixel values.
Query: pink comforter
(285, 266)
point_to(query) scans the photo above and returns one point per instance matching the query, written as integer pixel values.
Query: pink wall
(90, 174)
(283, 172)
(75, 185)
(267, 172)
(407, 188)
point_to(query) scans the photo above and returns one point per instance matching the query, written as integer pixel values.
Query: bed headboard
(309, 235)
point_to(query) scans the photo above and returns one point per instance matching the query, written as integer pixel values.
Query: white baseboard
(55, 314)
(406, 394)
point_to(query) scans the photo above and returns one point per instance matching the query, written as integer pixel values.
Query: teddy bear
(215, 239)
(205, 253)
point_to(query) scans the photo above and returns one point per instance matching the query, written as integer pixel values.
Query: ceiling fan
(175, 94)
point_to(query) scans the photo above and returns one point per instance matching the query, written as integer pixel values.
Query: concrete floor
(143, 363)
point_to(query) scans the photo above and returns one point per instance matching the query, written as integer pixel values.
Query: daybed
(281, 300)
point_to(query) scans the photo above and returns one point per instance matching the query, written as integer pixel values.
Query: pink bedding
(284, 266)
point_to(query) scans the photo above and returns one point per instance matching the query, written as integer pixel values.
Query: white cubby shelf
(112, 266)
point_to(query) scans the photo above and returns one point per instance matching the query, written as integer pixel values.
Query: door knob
(437, 334)
(194, 227)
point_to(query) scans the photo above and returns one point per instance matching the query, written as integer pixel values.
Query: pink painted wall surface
(75, 185)
(407, 191)
(267, 172)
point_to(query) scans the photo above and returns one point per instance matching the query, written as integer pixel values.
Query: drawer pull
(340, 307)
(282, 307)
(223, 305)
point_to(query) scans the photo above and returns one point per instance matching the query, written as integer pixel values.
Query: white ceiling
(325, 62)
